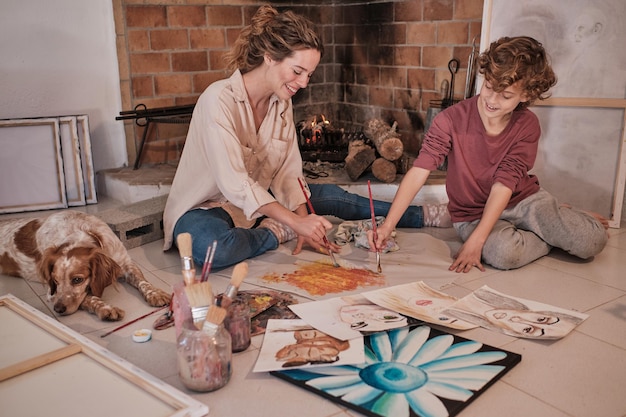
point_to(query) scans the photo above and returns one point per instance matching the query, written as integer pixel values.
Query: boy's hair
(276, 34)
(509, 60)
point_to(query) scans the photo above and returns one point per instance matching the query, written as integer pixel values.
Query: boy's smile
(495, 107)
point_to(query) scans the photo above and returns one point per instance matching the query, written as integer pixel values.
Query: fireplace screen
(319, 140)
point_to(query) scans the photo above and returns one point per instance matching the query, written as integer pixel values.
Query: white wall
(58, 57)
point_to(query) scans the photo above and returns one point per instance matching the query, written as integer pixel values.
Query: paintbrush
(183, 241)
(239, 273)
(374, 227)
(200, 296)
(135, 320)
(214, 317)
(208, 262)
(312, 210)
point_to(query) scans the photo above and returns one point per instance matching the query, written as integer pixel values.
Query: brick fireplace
(384, 59)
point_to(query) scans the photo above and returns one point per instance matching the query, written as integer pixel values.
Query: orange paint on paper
(322, 278)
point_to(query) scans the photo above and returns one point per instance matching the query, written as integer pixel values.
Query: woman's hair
(522, 58)
(273, 33)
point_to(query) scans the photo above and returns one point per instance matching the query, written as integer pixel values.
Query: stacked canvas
(45, 163)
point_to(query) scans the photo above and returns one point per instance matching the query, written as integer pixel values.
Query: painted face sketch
(515, 316)
(370, 317)
(312, 347)
(531, 323)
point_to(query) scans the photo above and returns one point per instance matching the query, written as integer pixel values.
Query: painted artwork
(419, 301)
(348, 317)
(322, 278)
(295, 344)
(266, 305)
(417, 371)
(515, 316)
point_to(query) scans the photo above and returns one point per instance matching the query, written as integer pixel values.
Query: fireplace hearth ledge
(433, 192)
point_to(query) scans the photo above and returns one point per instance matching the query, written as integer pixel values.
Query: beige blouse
(227, 163)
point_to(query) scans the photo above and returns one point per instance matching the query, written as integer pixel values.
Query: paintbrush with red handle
(135, 320)
(312, 210)
(374, 227)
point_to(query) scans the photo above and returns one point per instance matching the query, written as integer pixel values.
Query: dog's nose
(60, 308)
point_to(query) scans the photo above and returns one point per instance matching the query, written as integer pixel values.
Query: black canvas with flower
(411, 371)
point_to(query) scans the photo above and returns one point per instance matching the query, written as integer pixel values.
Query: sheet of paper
(419, 301)
(515, 316)
(310, 274)
(291, 344)
(347, 317)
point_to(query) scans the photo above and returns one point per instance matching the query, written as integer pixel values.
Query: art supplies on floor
(265, 305)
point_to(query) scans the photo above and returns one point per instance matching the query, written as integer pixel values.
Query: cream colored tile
(607, 323)
(617, 238)
(151, 256)
(579, 375)
(502, 399)
(540, 283)
(19, 287)
(171, 276)
(157, 356)
(607, 268)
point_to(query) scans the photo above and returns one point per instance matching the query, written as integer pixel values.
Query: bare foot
(600, 218)
(603, 220)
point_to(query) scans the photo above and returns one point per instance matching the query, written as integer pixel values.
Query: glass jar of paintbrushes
(204, 346)
(204, 356)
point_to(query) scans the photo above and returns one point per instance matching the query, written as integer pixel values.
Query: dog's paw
(110, 313)
(156, 297)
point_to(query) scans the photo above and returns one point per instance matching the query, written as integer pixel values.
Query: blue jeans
(235, 244)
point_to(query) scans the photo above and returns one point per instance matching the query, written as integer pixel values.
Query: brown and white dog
(77, 256)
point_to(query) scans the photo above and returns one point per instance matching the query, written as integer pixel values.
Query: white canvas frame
(601, 93)
(31, 166)
(89, 176)
(72, 168)
(40, 355)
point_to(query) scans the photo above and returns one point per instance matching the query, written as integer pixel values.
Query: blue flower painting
(415, 371)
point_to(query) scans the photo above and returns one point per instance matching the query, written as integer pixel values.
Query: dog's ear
(46, 265)
(104, 272)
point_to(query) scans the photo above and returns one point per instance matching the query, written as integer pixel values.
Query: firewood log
(360, 157)
(384, 170)
(385, 138)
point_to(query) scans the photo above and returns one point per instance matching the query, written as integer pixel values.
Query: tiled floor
(583, 374)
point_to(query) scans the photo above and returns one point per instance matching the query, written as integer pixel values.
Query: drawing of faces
(370, 317)
(530, 323)
(589, 25)
(430, 307)
(431, 303)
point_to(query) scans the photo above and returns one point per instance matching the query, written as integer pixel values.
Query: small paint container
(237, 323)
(142, 335)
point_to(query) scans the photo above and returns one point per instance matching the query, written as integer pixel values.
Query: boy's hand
(382, 233)
(468, 257)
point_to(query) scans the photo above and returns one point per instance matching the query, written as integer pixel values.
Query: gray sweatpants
(533, 227)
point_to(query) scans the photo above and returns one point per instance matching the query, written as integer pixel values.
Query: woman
(237, 179)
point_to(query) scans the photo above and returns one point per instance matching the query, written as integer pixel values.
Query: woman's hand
(316, 246)
(311, 230)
